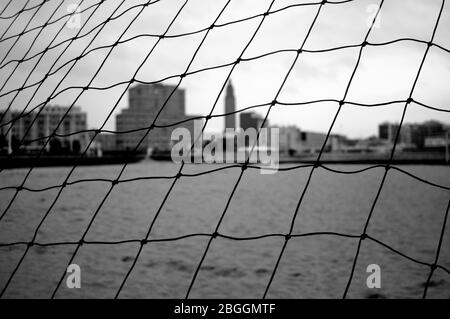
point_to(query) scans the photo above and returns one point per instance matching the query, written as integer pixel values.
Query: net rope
(141, 242)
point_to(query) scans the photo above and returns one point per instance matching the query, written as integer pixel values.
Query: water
(409, 216)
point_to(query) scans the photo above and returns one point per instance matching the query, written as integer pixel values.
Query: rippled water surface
(408, 217)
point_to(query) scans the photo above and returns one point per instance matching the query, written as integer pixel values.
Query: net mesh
(30, 11)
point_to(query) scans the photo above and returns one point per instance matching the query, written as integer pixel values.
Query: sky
(385, 73)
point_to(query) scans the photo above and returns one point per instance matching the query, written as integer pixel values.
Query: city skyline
(145, 101)
(385, 74)
(173, 115)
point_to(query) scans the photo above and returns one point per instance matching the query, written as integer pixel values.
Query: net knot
(324, 1)
(19, 188)
(211, 26)
(30, 244)
(244, 167)
(214, 235)
(183, 75)
(143, 242)
(115, 182)
(208, 117)
(266, 13)
(409, 100)
(162, 36)
(287, 237)
(363, 236)
(341, 102)
(238, 60)
(299, 51)
(64, 184)
(81, 242)
(430, 44)
(364, 44)
(273, 102)
(178, 176)
(433, 267)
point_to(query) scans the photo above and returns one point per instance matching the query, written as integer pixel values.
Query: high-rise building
(230, 106)
(251, 120)
(145, 102)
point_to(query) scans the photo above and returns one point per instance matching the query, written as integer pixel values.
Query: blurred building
(437, 142)
(230, 106)
(145, 101)
(387, 131)
(294, 141)
(251, 120)
(36, 125)
(412, 135)
(289, 140)
(106, 142)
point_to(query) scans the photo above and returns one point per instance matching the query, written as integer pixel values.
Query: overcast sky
(386, 72)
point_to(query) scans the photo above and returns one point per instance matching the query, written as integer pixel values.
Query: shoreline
(419, 158)
(27, 161)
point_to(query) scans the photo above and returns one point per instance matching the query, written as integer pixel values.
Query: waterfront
(408, 217)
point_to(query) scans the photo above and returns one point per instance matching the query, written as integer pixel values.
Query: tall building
(230, 106)
(44, 125)
(145, 101)
(251, 119)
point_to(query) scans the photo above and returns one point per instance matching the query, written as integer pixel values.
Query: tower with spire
(230, 106)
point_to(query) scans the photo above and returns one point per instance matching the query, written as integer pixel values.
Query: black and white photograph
(224, 150)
